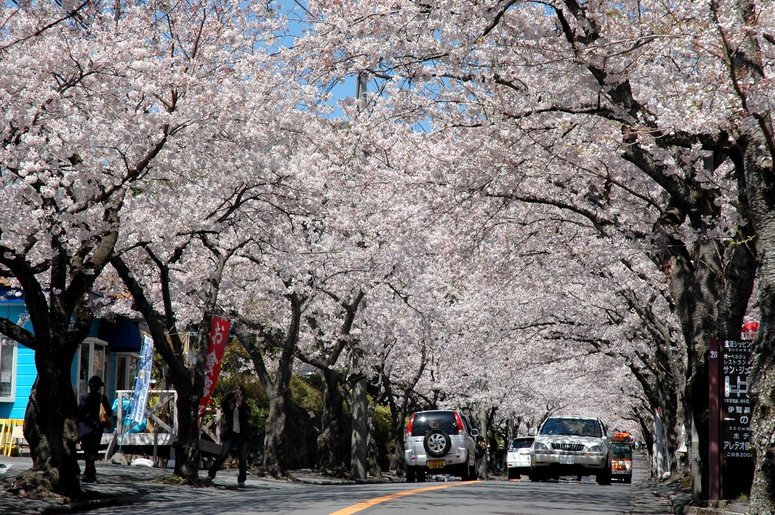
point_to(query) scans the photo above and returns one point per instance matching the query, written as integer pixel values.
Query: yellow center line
(377, 500)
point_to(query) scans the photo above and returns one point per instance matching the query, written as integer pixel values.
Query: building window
(7, 370)
(93, 361)
(126, 370)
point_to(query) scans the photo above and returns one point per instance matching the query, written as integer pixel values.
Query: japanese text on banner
(142, 382)
(219, 336)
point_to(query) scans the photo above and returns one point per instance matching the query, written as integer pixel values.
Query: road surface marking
(372, 502)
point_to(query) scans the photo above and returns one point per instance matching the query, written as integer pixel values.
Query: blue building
(111, 351)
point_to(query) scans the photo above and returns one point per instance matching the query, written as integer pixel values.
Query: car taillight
(459, 423)
(619, 464)
(409, 426)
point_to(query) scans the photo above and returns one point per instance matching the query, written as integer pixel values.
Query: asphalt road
(139, 491)
(564, 497)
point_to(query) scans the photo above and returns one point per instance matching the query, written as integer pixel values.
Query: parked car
(571, 446)
(621, 457)
(439, 442)
(518, 456)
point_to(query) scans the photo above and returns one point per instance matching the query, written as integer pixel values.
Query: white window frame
(130, 376)
(14, 345)
(91, 342)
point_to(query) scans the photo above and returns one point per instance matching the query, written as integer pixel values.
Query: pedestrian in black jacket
(89, 427)
(235, 432)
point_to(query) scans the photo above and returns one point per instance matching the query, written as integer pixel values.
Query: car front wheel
(535, 476)
(411, 476)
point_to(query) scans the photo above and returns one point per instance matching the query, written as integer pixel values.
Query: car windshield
(520, 443)
(424, 422)
(621, 450)
(572, 427)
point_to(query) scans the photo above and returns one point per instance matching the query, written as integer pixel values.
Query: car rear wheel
(411, 475)
(437, 443)
(513, 474)
(535, 475)
(420, 475)
(465, 472)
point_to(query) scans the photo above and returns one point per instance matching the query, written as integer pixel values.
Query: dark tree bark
(188, 382)
(277, 388)
(50, 423)
(761, 180)
(329, 446)
(61, 317)
(754, 163)
(330, 455)
(399, 412)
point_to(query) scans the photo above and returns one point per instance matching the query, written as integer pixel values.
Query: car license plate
(566, 460)
(436, 464)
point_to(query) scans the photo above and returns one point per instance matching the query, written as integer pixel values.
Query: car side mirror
(532, 431)
(474, 432)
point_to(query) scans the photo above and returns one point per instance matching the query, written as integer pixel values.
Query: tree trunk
(761, 181)
(51, 428)
(763, 420)
(274, 440)
(329, 451)
(374, 454)
(278, 389)
(186, 444)
(696, 287)
(359, 432)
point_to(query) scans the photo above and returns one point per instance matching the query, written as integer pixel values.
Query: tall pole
(714, 453)
(359, 407)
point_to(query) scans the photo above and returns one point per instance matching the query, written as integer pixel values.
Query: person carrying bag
(90, 425)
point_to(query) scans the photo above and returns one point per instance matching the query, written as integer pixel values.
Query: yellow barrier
(7, 426)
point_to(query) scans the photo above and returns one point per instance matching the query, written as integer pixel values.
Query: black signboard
(735, 405)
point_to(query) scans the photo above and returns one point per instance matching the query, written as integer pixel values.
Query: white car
(571, 446)
(518, 457)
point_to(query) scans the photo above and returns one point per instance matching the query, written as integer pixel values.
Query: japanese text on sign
(735, 405)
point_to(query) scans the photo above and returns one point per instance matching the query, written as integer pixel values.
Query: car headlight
(538, 446)
(595, 448)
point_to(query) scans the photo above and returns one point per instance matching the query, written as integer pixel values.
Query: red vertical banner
(219, 336)
(714, 450)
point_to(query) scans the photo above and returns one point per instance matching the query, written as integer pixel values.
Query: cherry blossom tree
(117, 119)
(82, 126)
(620, 109)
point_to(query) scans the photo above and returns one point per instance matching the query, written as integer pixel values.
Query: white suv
(571, 446)
(440, 442)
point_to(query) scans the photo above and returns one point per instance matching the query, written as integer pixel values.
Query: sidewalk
(124, 484)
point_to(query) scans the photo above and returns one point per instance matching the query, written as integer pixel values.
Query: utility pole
(359, 406)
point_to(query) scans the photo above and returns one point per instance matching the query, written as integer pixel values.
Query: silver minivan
(439, 442)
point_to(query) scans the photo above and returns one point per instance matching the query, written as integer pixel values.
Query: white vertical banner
(142, 382)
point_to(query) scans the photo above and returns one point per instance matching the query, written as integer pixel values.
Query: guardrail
(11, 435)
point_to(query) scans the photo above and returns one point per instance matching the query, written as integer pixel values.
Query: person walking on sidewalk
(482, 458)
(235, 431)
(89, 426)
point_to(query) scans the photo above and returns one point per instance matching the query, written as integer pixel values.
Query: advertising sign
(142, 382)
(735, 404)
(219, 336)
